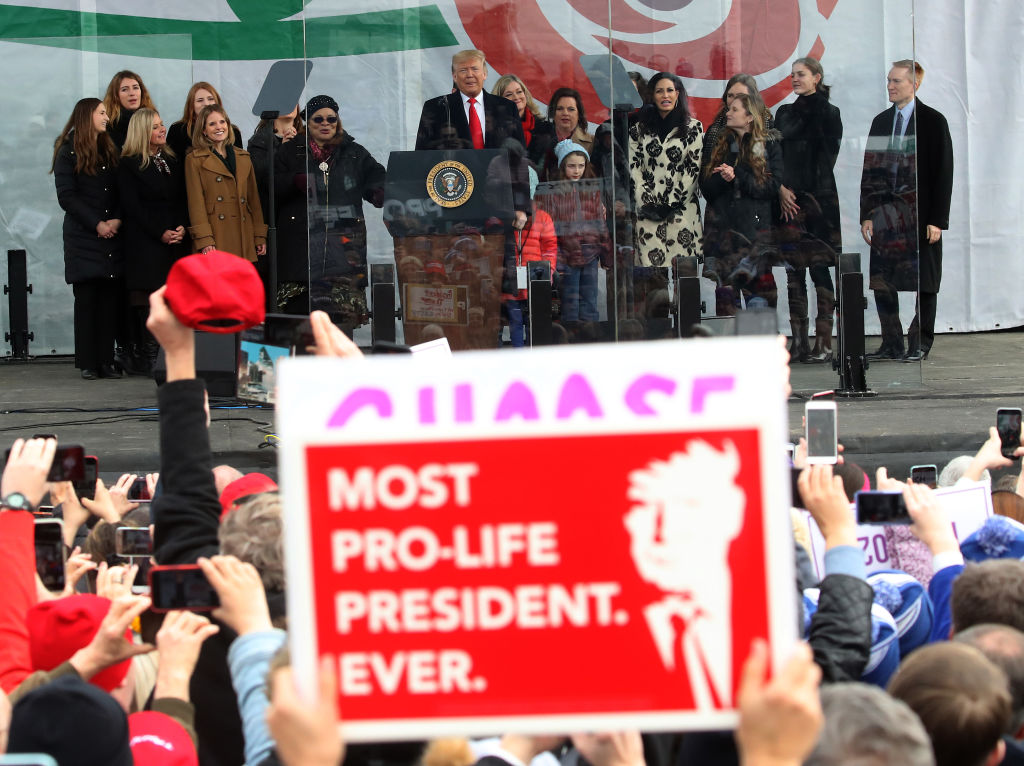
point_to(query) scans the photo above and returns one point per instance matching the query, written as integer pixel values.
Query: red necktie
(475, 131)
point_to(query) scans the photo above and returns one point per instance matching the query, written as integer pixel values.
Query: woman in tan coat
(223, 201)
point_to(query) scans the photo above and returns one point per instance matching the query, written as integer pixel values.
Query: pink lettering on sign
(362, 397)
(518, 401)
(636, 394)
(704, 387)
(577, 395)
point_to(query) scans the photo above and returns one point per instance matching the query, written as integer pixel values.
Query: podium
(450, 214)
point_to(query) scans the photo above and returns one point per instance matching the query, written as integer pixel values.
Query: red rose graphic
(756, 36)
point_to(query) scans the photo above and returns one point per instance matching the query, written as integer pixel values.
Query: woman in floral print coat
(664, 166)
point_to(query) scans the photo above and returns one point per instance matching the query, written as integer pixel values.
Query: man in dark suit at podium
(470, 118)
(905, 197)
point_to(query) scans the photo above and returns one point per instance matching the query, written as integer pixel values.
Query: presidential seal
(450, 184)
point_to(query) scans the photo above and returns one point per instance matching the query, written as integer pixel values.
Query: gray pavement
(923, 413)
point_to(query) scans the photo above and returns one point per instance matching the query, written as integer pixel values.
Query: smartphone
(877, 507)
(925, 474)
(140, 586)
(756, 322)
(287, 331)
(1008, 421)
(138, 492)
(68, 463)
(822, 436)
(794, 487)
(49, 542)
(87, 486)
(133, 541)
(181, 587)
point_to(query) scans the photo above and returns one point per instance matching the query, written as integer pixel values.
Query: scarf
(229, 157)
(529, 123)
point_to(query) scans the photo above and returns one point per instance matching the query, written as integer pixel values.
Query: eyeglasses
(329, 120)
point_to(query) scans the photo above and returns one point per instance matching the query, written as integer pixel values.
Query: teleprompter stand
(687, 306)
(850, 358)
(279, 95)
(17, 288)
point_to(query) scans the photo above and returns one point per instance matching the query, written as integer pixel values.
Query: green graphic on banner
(259, 33)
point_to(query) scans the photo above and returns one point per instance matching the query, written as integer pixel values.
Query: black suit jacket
(923, 180)
(443, 124)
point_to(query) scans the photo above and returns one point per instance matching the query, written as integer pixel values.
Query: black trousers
(97, 303)
(920, 334)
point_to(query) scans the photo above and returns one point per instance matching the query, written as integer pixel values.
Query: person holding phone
(223, 199)
(84, 170)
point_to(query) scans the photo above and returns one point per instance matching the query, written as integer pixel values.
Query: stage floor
(916, 418)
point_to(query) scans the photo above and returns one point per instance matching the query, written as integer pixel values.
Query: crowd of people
(919, 666)
(137, 195)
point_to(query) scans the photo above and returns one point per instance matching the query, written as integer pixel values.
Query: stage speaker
(216, 363)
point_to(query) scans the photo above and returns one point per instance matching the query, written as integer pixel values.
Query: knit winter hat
(73, 721)
(317, 103)
(908, 603)
(999, 537)
(567, 147)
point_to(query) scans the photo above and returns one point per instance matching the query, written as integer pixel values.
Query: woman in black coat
(85, 174)
(740, 183)
(322, 257)
(125, 94)
(812, 131)
(152, 189)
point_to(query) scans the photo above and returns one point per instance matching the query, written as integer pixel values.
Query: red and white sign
(587, 537)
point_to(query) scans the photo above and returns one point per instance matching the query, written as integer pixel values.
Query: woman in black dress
(809, 238)
(84, 170)
(151, 181)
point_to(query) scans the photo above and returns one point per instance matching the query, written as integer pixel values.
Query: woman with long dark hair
(125, 93)
(812, 131)
(84, 170)
(665, 147)
(152, 190)
(740, 182)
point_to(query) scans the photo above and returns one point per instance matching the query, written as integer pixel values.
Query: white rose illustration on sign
(686, 512)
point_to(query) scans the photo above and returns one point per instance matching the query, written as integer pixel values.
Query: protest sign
(563, 539)
(967, 507)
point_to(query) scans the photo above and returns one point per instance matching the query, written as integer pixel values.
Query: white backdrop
(381, 93)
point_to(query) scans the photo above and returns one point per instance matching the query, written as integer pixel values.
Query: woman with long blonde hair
(152, 186)
(740, 182)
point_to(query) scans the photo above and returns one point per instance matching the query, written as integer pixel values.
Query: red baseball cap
(59, 628)
(250, 484)
(157, 739)
(215, 292)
